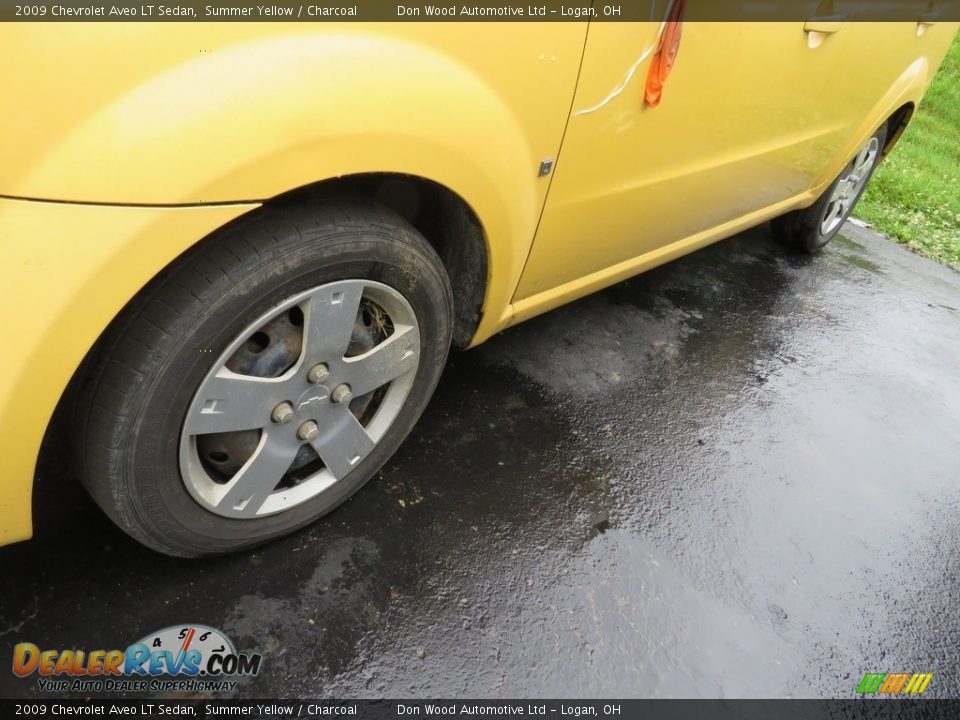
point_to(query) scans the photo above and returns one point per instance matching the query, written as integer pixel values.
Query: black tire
(801, 229)
(152, 359)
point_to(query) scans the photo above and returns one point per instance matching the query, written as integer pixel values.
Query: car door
(745, 122)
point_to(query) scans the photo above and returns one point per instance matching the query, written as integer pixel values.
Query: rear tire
(810, 229)
(152, 399)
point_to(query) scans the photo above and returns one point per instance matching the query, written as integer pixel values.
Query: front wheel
(811, 228)
(265, 378)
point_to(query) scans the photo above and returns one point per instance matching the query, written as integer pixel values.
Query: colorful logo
(186, 651)
(894, 683)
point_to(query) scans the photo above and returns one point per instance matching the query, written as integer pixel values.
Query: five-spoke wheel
(264, 378)
(299, 398)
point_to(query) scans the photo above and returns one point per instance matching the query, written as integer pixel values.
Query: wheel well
(896, 124)
(444, 219)
(441, 216)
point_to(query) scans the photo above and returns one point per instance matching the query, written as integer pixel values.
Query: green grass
(914, 197)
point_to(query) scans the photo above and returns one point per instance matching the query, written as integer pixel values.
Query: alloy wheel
(299, 398)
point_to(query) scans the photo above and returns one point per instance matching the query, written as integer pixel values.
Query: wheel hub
(299, 398)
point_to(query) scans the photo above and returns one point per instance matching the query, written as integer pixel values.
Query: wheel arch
(260, 114)
(444, 218)
(896, 124)
(894, 108)
(447, 221)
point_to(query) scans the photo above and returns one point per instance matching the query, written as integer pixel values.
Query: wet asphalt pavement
(737, 475)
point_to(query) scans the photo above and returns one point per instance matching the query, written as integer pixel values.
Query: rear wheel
(811, 228)
(265, 378)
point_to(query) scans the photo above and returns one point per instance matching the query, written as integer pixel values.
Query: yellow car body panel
(128, 143)
(199, 113)
(56, 303)
(635, 186)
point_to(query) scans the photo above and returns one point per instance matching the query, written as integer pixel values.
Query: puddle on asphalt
(861, 262)
(844, 241)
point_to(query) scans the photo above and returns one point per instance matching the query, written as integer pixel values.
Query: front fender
(169, 115)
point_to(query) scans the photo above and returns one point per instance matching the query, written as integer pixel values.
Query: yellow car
(237, 254)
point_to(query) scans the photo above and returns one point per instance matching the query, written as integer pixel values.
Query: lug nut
(317, 374)
(341, 394)
(282, 413)
(308, 431)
